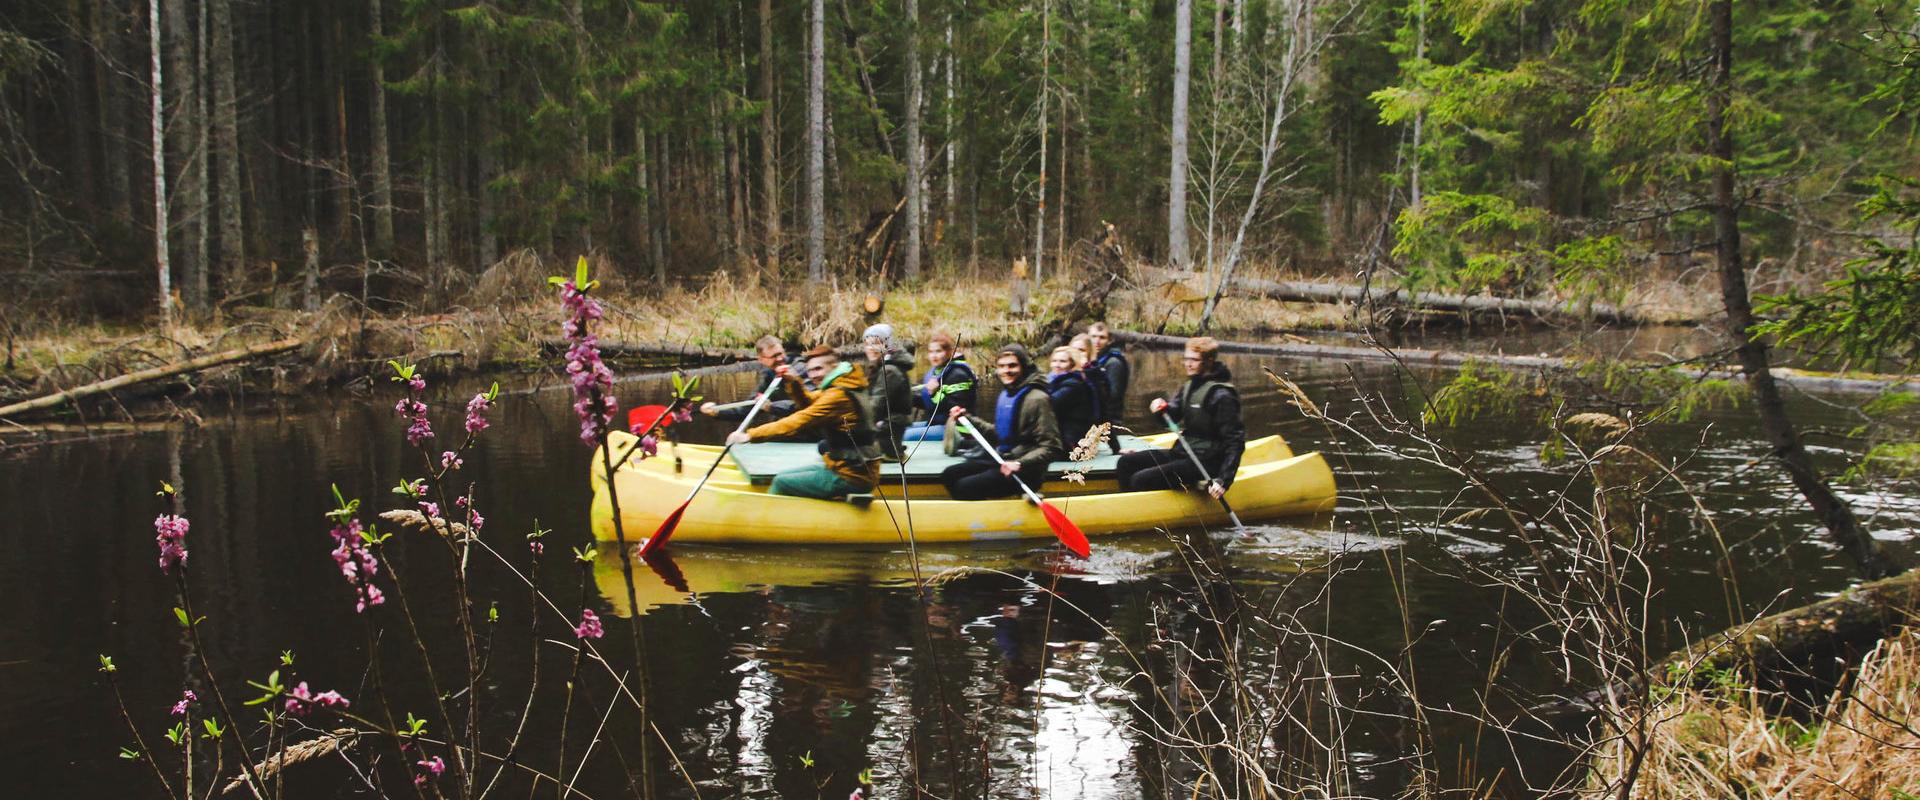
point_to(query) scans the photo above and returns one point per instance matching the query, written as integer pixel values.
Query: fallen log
(1799, 379)
(1476, 305)
(658, 349)
(146, 375)
(1795, 638)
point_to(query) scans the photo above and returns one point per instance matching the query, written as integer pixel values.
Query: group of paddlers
(864, 414)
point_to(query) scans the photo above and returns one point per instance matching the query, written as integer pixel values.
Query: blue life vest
(1006, 415)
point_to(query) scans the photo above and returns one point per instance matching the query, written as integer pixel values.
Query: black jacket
(1073, 406)
(890, 396)
(1210, 421)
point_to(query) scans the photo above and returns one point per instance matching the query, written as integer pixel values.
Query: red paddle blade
(640, 418)
(1064, 528)
(665, 532)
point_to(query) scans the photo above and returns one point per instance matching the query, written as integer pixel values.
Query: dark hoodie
(1207, 407)
(1074, 405)
(890, 395)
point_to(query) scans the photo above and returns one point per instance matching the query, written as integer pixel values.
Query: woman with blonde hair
(1076, 403)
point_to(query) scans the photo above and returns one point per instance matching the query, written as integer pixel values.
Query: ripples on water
(1001, 671)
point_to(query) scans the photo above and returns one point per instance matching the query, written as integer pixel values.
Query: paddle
(1069, 533)
(1238, 526)
(665, 531)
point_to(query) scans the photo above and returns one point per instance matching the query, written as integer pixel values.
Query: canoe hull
(734, 514)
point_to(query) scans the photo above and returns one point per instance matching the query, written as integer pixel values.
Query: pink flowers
(476, 413)
(302, 701)
(593, 401)
(170, 534)
(683, 414)
(419, 429)
(429, 769)
(589, 627)
(451, 460)
(357, 565)
(649, 446)
(180, 708)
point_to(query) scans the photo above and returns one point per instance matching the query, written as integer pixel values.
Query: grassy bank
(501, 320)
(1734, 741)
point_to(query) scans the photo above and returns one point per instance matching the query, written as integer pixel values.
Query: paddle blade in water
(1064, 528)
(665, 532)
(640, 418)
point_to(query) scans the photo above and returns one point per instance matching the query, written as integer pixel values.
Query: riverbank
(507, 321)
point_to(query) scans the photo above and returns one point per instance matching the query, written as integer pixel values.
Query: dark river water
(789, 671)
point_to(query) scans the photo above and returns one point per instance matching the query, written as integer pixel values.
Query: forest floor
(508, 317)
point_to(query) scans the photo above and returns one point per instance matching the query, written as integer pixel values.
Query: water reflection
(978, 671)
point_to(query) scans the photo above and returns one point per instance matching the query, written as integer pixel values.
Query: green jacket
(1036, 440)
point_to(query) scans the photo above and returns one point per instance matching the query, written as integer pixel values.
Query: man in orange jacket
(850, 460)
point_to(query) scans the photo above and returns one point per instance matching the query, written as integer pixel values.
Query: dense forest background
(1516, 145)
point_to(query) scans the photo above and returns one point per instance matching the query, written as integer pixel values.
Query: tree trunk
(162, 259)
(226, 147)
(110, 101)
(187, 127)
(80, 114)
(816, 145)
(345, 183)
(769, 144)
(382, 157)
(1040, 208)
(1177, 174)
(1832, 511)
(916, 157)
(949, 211)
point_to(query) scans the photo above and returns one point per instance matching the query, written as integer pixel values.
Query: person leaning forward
(849, 461)
(1207, 407)
(771, 354)
(1024, 429)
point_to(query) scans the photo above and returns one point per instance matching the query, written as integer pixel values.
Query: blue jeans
(922, 432)
(814, 481)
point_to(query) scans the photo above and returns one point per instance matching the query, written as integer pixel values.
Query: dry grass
(1860, 744)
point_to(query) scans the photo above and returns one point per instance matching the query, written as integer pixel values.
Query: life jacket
(1196, 417)
(1006, 416)
(956, 376)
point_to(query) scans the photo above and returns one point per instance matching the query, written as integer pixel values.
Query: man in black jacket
(1024, 430)
(1207, 407)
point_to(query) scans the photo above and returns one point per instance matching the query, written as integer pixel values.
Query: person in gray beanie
(889, 389)
(1024, 430)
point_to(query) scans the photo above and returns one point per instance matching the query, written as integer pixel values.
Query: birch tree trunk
(816, 144)
(769, 144)
(226, 146)
(949, 209)
(916, 157)
(1832, 510)
(162, 258)
(1177, 256)
(1046, 74)
(382, 157)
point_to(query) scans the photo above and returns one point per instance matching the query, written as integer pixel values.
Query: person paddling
(889, 389)
(1207, 407)
(1076, 403)
(849, 461)
(949, 382)
(771, 353)
(1024, 430)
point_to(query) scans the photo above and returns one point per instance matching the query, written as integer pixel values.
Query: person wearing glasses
(1207, 408)
(849, 458)
(771, 353)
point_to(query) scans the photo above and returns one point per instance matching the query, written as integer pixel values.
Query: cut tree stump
(146, 375)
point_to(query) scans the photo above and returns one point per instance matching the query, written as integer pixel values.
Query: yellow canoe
(1272, 482)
